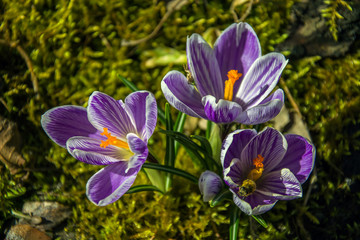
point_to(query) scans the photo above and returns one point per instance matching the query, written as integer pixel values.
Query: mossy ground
(75, 48)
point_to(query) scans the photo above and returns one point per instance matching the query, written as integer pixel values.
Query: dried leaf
(10, 143)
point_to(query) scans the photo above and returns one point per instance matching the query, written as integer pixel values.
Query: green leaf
(215, 142)
(223, 195)
(132, 87)
(234, 222)
(179, 127)
(189, 145)
(156, 178)
(142, 188)
(170, 147)
(172, 170)
(260, 220)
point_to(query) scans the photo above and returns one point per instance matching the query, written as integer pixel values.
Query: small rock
(51, 213)
(290, 122)
(25, 232)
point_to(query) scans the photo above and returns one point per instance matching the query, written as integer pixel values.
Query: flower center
(233, 76)
(249, 186)
(112, 140)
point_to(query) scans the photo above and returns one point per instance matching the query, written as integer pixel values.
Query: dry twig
(175, 6)
(25, 56)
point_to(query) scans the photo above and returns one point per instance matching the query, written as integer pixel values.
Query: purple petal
(110, 183)
(270, 144)
(280, 185)
(204, 67)
(136, 145)
(141, 106)
(182, 95)
(265, 111)
(88, 150)
(235, 174)
(233, 145)
(62, 123)
(299, 157)
(210, 184)
(222, 111)
(106, 112)
(254, 204)
(261, 79)
(236, 49)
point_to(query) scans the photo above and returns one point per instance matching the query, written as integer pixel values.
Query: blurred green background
(58, 52)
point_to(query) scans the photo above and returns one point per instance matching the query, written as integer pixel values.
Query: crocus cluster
(233, 82)
(107, 132)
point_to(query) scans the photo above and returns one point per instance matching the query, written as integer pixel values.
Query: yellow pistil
(233, 76)
(249, 186)
(112, 140)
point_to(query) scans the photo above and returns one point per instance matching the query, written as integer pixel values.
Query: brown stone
(25, 232)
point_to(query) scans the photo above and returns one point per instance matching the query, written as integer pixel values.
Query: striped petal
(110, 183)
(106, 112)
(62, 123)
(204, 67)
(236, 49)
(261, 79)
(265, 111)
(141, 107)
(221, 111)
(182, 95)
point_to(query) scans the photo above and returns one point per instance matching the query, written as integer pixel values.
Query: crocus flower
(210, 184)
(262, 168)
(107, 132)
(232, 80)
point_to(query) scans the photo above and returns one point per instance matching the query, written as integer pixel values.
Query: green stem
(234, 222)
(172, 170)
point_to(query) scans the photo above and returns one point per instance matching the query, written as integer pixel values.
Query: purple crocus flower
(210, 184)
(107, 132)
(262, 168)
(232, 80)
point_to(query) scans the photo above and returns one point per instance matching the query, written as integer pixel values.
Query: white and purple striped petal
(105, 112)
(204, 67)
(236, 49)
(254, 204)
(210, 184)
(270, 144)
(233, 145)
(264, 111)
(280, 185)
(62, 123)
(88, 150)
(110, 183)
(299, 157)
(221, 111)
(261, 79)
(141, 107)
(182, 95)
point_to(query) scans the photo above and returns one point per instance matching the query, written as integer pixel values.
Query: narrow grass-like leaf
(189, 145)
(142, 188)
(260, 220)
(172, 170)
(225, 194)
(234, 223)
(170, 147)
(132, 87)
(208, 129)
(179, 127)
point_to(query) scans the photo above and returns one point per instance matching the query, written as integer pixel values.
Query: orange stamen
(256, 173)
(233, 76)
(112, 141)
